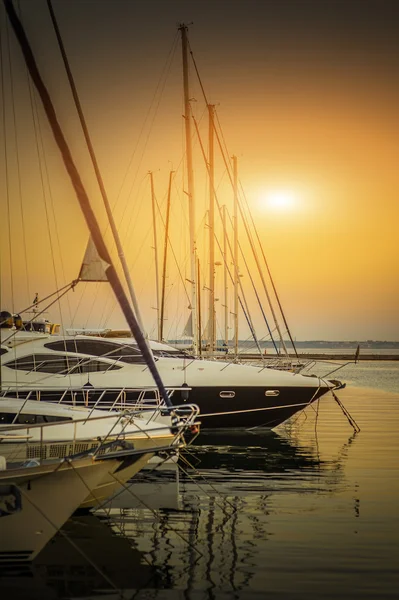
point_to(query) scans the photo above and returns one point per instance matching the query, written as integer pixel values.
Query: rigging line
(268, 271)
(250, 238)
(166, 67)
(34, 111)
(239, 204)
(255, 290)
(245, 309)
(71, 286)
(260, 244)
(173, 252)
(38, 136)
(247, 316)
(40, 301)
(83, 198)
(7, 182)
(18, 162)
(96, 167)
(79, 303)
(44, 171)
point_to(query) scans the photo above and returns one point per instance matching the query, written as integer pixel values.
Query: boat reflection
(87, 558)
(233, 500)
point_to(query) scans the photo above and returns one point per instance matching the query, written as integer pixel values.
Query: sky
(307, 95)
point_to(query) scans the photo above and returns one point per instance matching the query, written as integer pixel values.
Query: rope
(18, 163)
(6, 170)
(66, 536)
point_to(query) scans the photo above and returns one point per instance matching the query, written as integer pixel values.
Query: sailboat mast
(225, 280)
(212, 336)
(154, 228)
(199, 309)
(235, 226)
(83, 198)
(190, 184)
(165, 255)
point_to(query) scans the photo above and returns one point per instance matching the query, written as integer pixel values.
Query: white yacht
(42, 431)
(35, 501)
(91, 371)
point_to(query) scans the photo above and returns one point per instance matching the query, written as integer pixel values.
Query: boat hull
(35, 506)
(250, 407)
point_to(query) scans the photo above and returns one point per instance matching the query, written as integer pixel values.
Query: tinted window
(7, 418)
(25, 419)
(92, 366)
(59, 363)
(125, 352)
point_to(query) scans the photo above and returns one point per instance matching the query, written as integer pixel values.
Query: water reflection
(89, 555)
(232, 488)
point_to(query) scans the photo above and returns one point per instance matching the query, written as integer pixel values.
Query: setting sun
(279, 200)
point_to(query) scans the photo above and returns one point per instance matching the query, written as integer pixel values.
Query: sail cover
(93, 267)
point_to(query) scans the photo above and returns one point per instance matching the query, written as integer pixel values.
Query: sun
(279, 200)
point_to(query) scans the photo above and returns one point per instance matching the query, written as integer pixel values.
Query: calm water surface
(309, 511)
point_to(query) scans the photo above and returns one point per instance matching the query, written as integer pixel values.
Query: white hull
(43, 498)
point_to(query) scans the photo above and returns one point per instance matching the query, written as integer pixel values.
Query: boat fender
(185, 393)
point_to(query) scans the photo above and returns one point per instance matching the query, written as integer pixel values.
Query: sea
(308, 511)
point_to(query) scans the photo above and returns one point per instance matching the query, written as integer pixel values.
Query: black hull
(249, 408)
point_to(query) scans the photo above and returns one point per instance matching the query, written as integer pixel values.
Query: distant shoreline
(322, 356)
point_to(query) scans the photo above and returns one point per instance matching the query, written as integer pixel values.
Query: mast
(100, 182)
(199, 310)
(225, 280)
(165, 254)
(154, 227)
(211, 319)
(83, 198)
(190, 184)
(235, 226)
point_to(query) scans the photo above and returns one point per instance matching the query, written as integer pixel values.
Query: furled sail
(188, 329)
(93, 267)
(206, 333)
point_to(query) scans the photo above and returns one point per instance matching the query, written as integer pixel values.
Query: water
(310, 511)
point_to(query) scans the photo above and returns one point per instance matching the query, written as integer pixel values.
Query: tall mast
(225, 280)
(235, 226)
(165, 255)
(154, 227)
(211, 319)
(190, 184)
(100, 182)
(199, 310)
(83, 198)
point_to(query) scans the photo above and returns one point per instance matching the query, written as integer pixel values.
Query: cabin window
(93, 366)
(3, 351)
(272, 392)
(26, 419)
(7, 418)
(59, 363)
(124, 352)
(227, 394)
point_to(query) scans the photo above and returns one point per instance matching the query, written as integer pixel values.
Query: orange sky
(307, 96)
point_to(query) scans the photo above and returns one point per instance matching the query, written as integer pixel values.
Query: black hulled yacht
(93, 370)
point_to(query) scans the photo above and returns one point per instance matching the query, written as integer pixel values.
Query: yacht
(31, 430)
(37, 499)
(92, 371)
